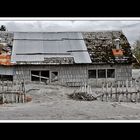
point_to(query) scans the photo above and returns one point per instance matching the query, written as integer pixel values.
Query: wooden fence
(121, 91)
(12, 92)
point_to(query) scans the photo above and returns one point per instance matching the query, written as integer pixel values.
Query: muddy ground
(51, 102)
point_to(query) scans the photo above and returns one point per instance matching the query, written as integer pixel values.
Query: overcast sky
(130, 28)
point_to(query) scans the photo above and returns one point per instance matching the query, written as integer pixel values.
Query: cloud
(130, 28)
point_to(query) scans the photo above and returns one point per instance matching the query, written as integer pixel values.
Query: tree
(136, 50)
(3, 28)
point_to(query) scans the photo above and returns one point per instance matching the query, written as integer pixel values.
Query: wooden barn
(66, 58)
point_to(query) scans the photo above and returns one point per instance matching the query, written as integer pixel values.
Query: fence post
(3, 92)
(111, 91)
(135, 91)
(105, 93)
(7, 84)
(126, 90)
(119, 91)
(102, 91)
(116, 90)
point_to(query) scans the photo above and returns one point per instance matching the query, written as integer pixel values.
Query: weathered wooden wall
(6, 70)
(76, 74)
(122, 72)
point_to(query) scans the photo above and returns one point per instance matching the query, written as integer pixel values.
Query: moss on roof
(100, 45)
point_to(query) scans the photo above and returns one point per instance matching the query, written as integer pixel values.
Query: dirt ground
(50, 102)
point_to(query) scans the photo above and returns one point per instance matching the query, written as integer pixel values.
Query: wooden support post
(3, 98)
(130, 97)
(106, 96)
(16, 98)
(139, 97)
(123, 84)
(90, 90)
(23, 97)
(131, 85)
(111, 92)
(6, 85)
(126, 96)
(135, 90)
(119, 90)
(119, 97)
(2, 86)
(106, 91)
(126, 85)
(136, 97)
(116, 85)
(12, 97)
(85, 87)
(102, 97)
(126, 90)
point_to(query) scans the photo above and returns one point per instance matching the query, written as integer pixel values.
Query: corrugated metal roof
(29, 58)
(55, 46)
(82, 56)
(48, 35)
(26, 46)
(49, 43)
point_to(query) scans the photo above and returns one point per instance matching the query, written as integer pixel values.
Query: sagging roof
(102, 47)
(67, 47)
(49, 48)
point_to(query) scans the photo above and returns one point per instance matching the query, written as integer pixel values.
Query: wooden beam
(40, 77)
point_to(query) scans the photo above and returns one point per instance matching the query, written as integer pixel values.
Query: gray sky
(130, 28)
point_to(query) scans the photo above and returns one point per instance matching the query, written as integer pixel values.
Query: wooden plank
(123, 84)
(116, 86)
(102, 97)
(111, 91)
(40, 77)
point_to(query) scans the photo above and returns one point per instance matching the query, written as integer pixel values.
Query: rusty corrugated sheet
(5, 60)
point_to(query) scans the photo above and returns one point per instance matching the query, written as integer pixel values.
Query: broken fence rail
(12, 92)
(121, 91)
